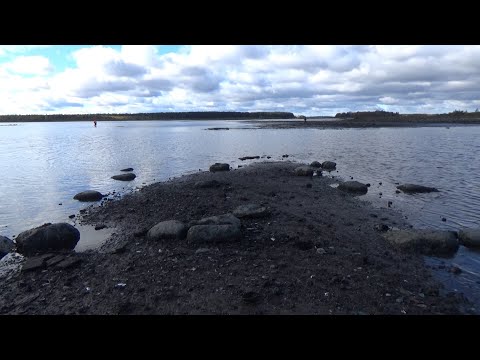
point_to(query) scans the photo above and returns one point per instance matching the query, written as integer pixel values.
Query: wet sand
(317, 252)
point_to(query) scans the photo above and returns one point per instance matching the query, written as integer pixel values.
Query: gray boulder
(249, 157)
(89, 195)
(207, 184)
(60, 236)
(304, 171)
(427, 242)
(329, 165)
(225, 219)
(171, 229)
(353, 186)
(219, 167)
(124, 177)
(250, 211)
(412, 188)
(315, 164)
(127, 169)
(213, 233)
(221, 228)
(6, 246)
(469, 237)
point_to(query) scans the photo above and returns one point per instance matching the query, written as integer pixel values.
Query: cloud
(29, 65)
(311, 79)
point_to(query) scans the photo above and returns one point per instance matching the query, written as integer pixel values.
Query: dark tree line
(204, 115)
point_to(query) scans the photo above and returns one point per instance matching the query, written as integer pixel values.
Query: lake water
(45, 164)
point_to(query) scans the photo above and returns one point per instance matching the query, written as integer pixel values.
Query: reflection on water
(46, 164)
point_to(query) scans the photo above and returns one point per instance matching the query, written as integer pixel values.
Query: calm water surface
(46, 164)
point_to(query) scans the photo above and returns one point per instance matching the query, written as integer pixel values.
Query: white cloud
(29, 65)
(302, 79)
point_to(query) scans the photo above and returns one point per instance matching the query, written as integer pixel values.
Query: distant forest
(204, 115)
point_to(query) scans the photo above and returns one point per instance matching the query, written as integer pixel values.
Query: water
(45, 164)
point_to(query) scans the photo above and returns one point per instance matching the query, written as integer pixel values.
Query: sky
(306, 80)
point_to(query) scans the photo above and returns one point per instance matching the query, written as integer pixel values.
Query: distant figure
(95, 123)
(305, 119)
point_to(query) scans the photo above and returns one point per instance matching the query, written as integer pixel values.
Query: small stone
(444, 219)
(71, 216)
(455, 270)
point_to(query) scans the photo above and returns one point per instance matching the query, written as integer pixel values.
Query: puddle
(91, 239)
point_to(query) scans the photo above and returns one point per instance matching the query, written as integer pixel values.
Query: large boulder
(171, 229)
(213, 233)
(221, 228)
(469, 237)
(329, 165)
(6, 246)
(315, 164)
(250, 211)
(89, 195)
(219, 167)
(124, 177)
(304, 171)
(353, 186)
(225, 219)
(427, 242)
(48, 237)
(413, 188)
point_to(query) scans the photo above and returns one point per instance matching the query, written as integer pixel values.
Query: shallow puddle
(91, 239)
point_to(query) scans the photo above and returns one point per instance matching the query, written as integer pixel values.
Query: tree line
(199, 115)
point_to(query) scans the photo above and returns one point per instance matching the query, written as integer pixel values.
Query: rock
(250, 211)
(6, 246)
(412, 188)
(249, 157)
(315, 164)
(329, 165)
(124, 177)
(55, 260)
(469, 237)
(89, 195)
(36, 262)
(127, 169)
(202, 250)
(69, 263)
(251, 297)
(427, 242)
(60, 236)
(100, 227)
(207, 184)
(213, 233)
(71, 216)
(303, 245)
(219, 167)
(170, 229)
(304, 171)
(10, 264)
(397, 191)
(444, 219)
(285, 156)
(225, 219)
(455, 270)
(353, 186)
(381, 227)
(219, 128)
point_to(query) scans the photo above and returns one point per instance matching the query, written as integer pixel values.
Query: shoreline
(325, 256)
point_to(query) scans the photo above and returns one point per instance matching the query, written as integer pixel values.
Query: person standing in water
(95, 123)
